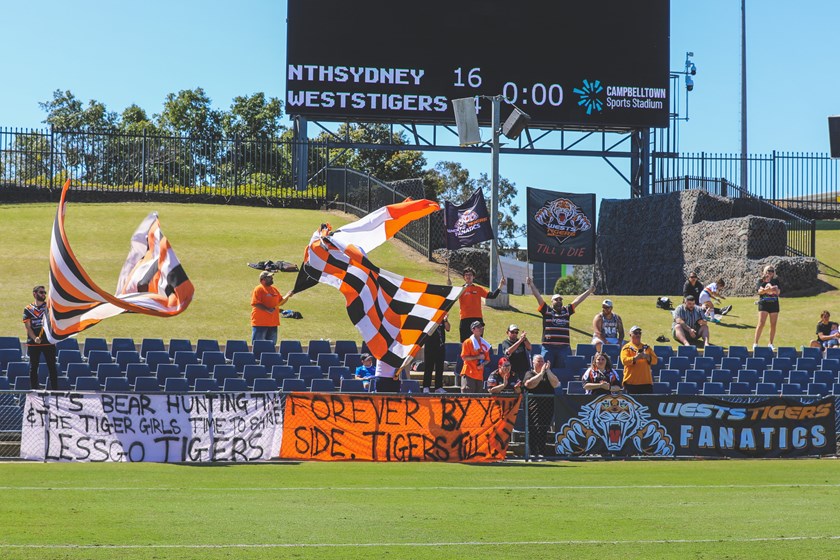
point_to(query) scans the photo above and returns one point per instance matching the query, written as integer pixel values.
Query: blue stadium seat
(712, 388)
(815, 353)
(739, 388)
(787, 352)
(782, 364)
(611, 350)
(825, 376)
(117, 385)
(732, 363)
(241, 359)
(832, 353)
(97, 357)
(253, 372)
(65, 358)
(764, 352)
(663, 352)
(800, 377)
(671, 377)
(451, 353)
(75, 371)
(224, 371)
(749, 376)
(155, 357)
(322, 386)
(122, 345)
(758, 364)
(344, 347)
(107, 371)
(266, 385)
(660, 388)
(235, 385)
(203, 345)
(17, 369)
(168, 371)
(279, 373)
(738, 352)
(536, 348)
(352, 386)
(67, 344)
(820, 389)
(337, 373)
(773, 376)
(573, 365)
(407, 386)
(298, 359)
(213, 358)
(723, 376)
(290, 346)
(689, 352)
(206, 385)
(176, 385)
(133, 371)
(13, 343)
(318, 347)
(92, 344)
(89, 383)
(706, 363)
(575, 388)
(807, 364)
(687, 388)
(679, 363)
(233, 346)
(586, 350)
(184, 357)
(792, 389)
(308, 373)
(21, 383)
(195, 372)
(696, 376)
(713, 352)
(125, 357)
(835, 389)
(830, 364)
(326, 361)
(271, 359)
(179, 345)
(146, 385)
(7, 356)
(290, 385)
(766, 389)
(352, 361)
(151, 345)
(260, 346)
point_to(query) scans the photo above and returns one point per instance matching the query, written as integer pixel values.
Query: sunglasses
(771, 270)
(41, 292)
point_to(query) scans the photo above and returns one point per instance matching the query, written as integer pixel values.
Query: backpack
(664, 303)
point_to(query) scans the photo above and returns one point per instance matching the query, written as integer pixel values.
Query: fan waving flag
(151, 282)
(467, 223)
(393, 314)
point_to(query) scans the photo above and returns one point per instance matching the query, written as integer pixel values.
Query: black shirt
(519, 361)
(689, 290)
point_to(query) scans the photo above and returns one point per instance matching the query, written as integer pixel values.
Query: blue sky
(121, 53)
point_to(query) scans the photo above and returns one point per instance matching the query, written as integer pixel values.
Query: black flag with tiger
(561, 227)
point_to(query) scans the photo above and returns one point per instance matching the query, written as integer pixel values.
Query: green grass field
(653, 509)
(214, 243)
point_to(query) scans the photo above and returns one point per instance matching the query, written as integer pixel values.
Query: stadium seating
(65, 358)
(712, 388)
(241, 359)
(117, 385)
(271, 359)
(660, 388)
(713, 352)
(176, 385)
(815, 353)
(611, 350)
(830, 364)
(782, 364)
(298, 359)
(679, 363)
(800, 377)
(290, 385)
(787, 352)
(352, 386)
(687, 388)
(212, 358)
(179, 345)
(11, 342)
(279, 373)
(337, 373)
(22, 383)
(206, 385)
(92, 344)
(97, 357)
(308, 373)
(203, 345)
(87, 384)
(689, 352)
(146, 385)
(327, 360)
(738, 352)
(586, 350)
(344, 347)
(122, 345)
(260, 346)
(749, 376)
(820, 389)
(235, 385)
(182, 358)
(107, 371)
(832, 353)
(824, 376)
(764, 352)
(155, 357)
(766, 389)
(267, 385)
(133, 371)
(224, 371)
(663, 352)
(706, 363)
(67, 344)
(151, 345)
(671, 377)
(322, 386)
(234, 346)
(739, 388)
(807, 364)
(75, 371)
(125, 357)
(352, 361)
(575, 388)
(290, 346)
(758, 364)
(792, 389)
(723, 376)
(697, 376)
(409, 386)
(732, 363)
(253, 372)
(167, 371)
(196, 371)
(773, 376)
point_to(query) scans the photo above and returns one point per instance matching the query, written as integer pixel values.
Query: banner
(152, 428)
(353, 427)
(561, 227)
(675, 425)
(467, 223)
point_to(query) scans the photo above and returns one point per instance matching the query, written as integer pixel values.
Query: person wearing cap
(504, 379)
(607, 327)
(690, 326)
(693, 286)
(556, 321)
(517, 348)
(601, 378)
(637, 359)
(475, 353)
(540, 380)
(469, 302)
(433, 355)
(265, 308)
(366, 371)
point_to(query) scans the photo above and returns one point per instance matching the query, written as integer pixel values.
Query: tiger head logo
(562, 218)
(611, 422)
(465, 222)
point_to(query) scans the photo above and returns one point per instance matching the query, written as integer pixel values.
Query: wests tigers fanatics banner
(561, 227)
(467, 223)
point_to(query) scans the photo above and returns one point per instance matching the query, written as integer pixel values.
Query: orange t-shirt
(470, 301)
(471, 368)
(269, 297)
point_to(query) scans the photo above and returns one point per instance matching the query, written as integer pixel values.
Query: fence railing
(805, 183)
(801, 231)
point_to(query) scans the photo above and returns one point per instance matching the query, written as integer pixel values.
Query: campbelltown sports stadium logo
(467, 222)
(562, 218)
(589, 96)
(614, 424)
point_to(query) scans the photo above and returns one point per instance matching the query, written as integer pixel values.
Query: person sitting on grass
(713, 292)
(828, 334)
(689, 327)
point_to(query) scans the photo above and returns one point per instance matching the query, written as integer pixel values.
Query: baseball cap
(503, 362)
(266, 274)
(364, 357)
(513, 327)
(607, 302)
(635, 328)
(475, 324)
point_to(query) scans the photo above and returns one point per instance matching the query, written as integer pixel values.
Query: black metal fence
(805, 183)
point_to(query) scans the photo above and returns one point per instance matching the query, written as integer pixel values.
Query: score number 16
(472, 75)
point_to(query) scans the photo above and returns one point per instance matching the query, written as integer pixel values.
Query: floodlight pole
(496, 124)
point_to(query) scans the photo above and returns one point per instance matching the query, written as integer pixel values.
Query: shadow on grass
(281, 462)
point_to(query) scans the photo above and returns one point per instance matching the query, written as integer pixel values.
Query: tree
(451, 181)
(254, 117)
(189, 112)
(385, 165)
(65, 112)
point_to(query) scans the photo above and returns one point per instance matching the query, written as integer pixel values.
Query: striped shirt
(556, 325)
(34, 314)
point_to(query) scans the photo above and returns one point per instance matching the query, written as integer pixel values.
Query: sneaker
(771, 347)
(425, 389)
(441, 390)
(754, 347)
(726, 310)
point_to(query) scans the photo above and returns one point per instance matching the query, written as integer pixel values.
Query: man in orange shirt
(265, 308)
(475, 352)
(470, 302)
(638, 359)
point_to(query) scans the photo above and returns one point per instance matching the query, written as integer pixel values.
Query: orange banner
(354, 427)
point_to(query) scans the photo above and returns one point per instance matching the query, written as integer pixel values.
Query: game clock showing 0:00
(603, 63)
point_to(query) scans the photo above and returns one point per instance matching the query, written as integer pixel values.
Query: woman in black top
(693, 286)
(768, 304)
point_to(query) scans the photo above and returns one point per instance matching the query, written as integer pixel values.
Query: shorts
(771, 307)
